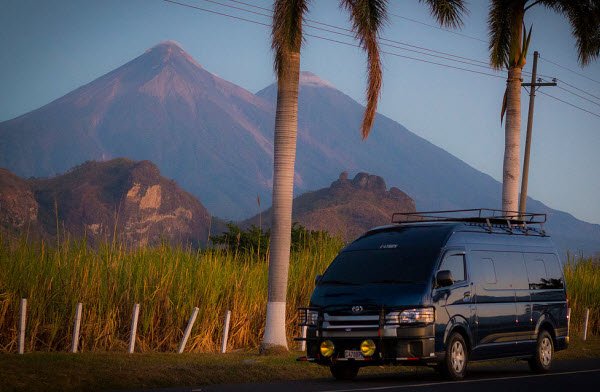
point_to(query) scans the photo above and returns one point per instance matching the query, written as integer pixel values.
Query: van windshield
(400, 265)
(405, 254)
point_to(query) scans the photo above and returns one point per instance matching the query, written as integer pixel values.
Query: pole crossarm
(538, 84)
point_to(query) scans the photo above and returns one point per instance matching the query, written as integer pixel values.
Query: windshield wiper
(337, 282)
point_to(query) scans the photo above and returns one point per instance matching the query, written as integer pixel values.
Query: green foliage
(583, 290)
(255, 240)
(252, 240)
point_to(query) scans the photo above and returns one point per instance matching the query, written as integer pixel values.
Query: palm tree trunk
(286, 125)
(511, 171)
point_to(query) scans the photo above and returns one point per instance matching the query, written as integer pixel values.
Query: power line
(352, 36)
(570, 70)
(441, 55)
(351, 31)
(217, 13)
(570, 104)
(335, 41)
(390, 53)
(579, 96)
(358, 46)
(578, 89)
(437, 27)
(409, 57)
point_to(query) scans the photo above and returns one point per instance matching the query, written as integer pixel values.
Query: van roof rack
(486, 216)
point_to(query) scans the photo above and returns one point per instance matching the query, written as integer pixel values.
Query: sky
(51, 48)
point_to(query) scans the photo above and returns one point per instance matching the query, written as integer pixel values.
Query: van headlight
(411, 316)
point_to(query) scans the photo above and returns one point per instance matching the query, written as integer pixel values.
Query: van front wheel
(544, 352)
(343, 371)
(454, 365)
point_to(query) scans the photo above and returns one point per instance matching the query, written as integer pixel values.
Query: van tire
(343, 371)
(544, 353)
(454, 365)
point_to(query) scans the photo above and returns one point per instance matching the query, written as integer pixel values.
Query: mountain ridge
(216, 138)
(98, 200)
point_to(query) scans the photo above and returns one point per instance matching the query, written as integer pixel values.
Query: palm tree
(508, 48)
(367, 16)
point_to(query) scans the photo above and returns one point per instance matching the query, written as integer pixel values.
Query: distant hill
(97, 199)
(210, 135)
(216, 140)
(347, 208)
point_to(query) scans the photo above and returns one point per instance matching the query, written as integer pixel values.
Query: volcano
(212, 136)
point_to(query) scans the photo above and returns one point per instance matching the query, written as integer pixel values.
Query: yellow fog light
(367, 348)
(327, 348)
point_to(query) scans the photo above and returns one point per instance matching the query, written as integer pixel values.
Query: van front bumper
(414, 344)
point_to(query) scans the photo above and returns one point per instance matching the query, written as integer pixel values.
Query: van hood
(372, 296)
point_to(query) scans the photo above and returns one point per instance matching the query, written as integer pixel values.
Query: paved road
(566, 376)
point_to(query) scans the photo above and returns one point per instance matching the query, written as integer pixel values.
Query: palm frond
(525, 46)
(286, 33)
(584, 17)
(368, 17)
(447, 12)
(500, 15)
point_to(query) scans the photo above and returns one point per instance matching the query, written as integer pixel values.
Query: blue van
(440, 289)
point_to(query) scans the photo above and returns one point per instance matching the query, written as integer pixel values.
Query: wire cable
(579, 96)
(389, 53)
(578, 89)
(313, 21)
(570, 70)
(570, 104)
(437, 27)
(216, 13)
(351, 36)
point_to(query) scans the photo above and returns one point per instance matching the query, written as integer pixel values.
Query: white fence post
(134, 322)
(22, 325)
(75, 342)
(188, 330)
(225, 332)
(303, 342)
(585, 323)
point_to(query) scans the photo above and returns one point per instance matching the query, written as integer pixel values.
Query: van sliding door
(493, 278)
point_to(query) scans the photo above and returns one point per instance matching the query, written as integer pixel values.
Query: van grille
(352, 322)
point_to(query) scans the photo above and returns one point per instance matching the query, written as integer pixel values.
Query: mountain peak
(169, 50)
(310, 79)
(166, 45)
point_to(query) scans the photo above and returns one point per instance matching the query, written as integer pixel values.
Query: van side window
(455, 263)
(501, 270)
(488, 270)
(554, 272)
(543, 272)
(536, 273)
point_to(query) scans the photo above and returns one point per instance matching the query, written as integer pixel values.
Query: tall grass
(168, 282)
(583, 290)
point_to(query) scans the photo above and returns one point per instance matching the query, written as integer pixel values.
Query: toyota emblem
(357, 309)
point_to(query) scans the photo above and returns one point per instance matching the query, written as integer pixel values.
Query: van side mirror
(318, 279)
(444, 278)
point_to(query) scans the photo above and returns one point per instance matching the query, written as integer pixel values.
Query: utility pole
(532, 87)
